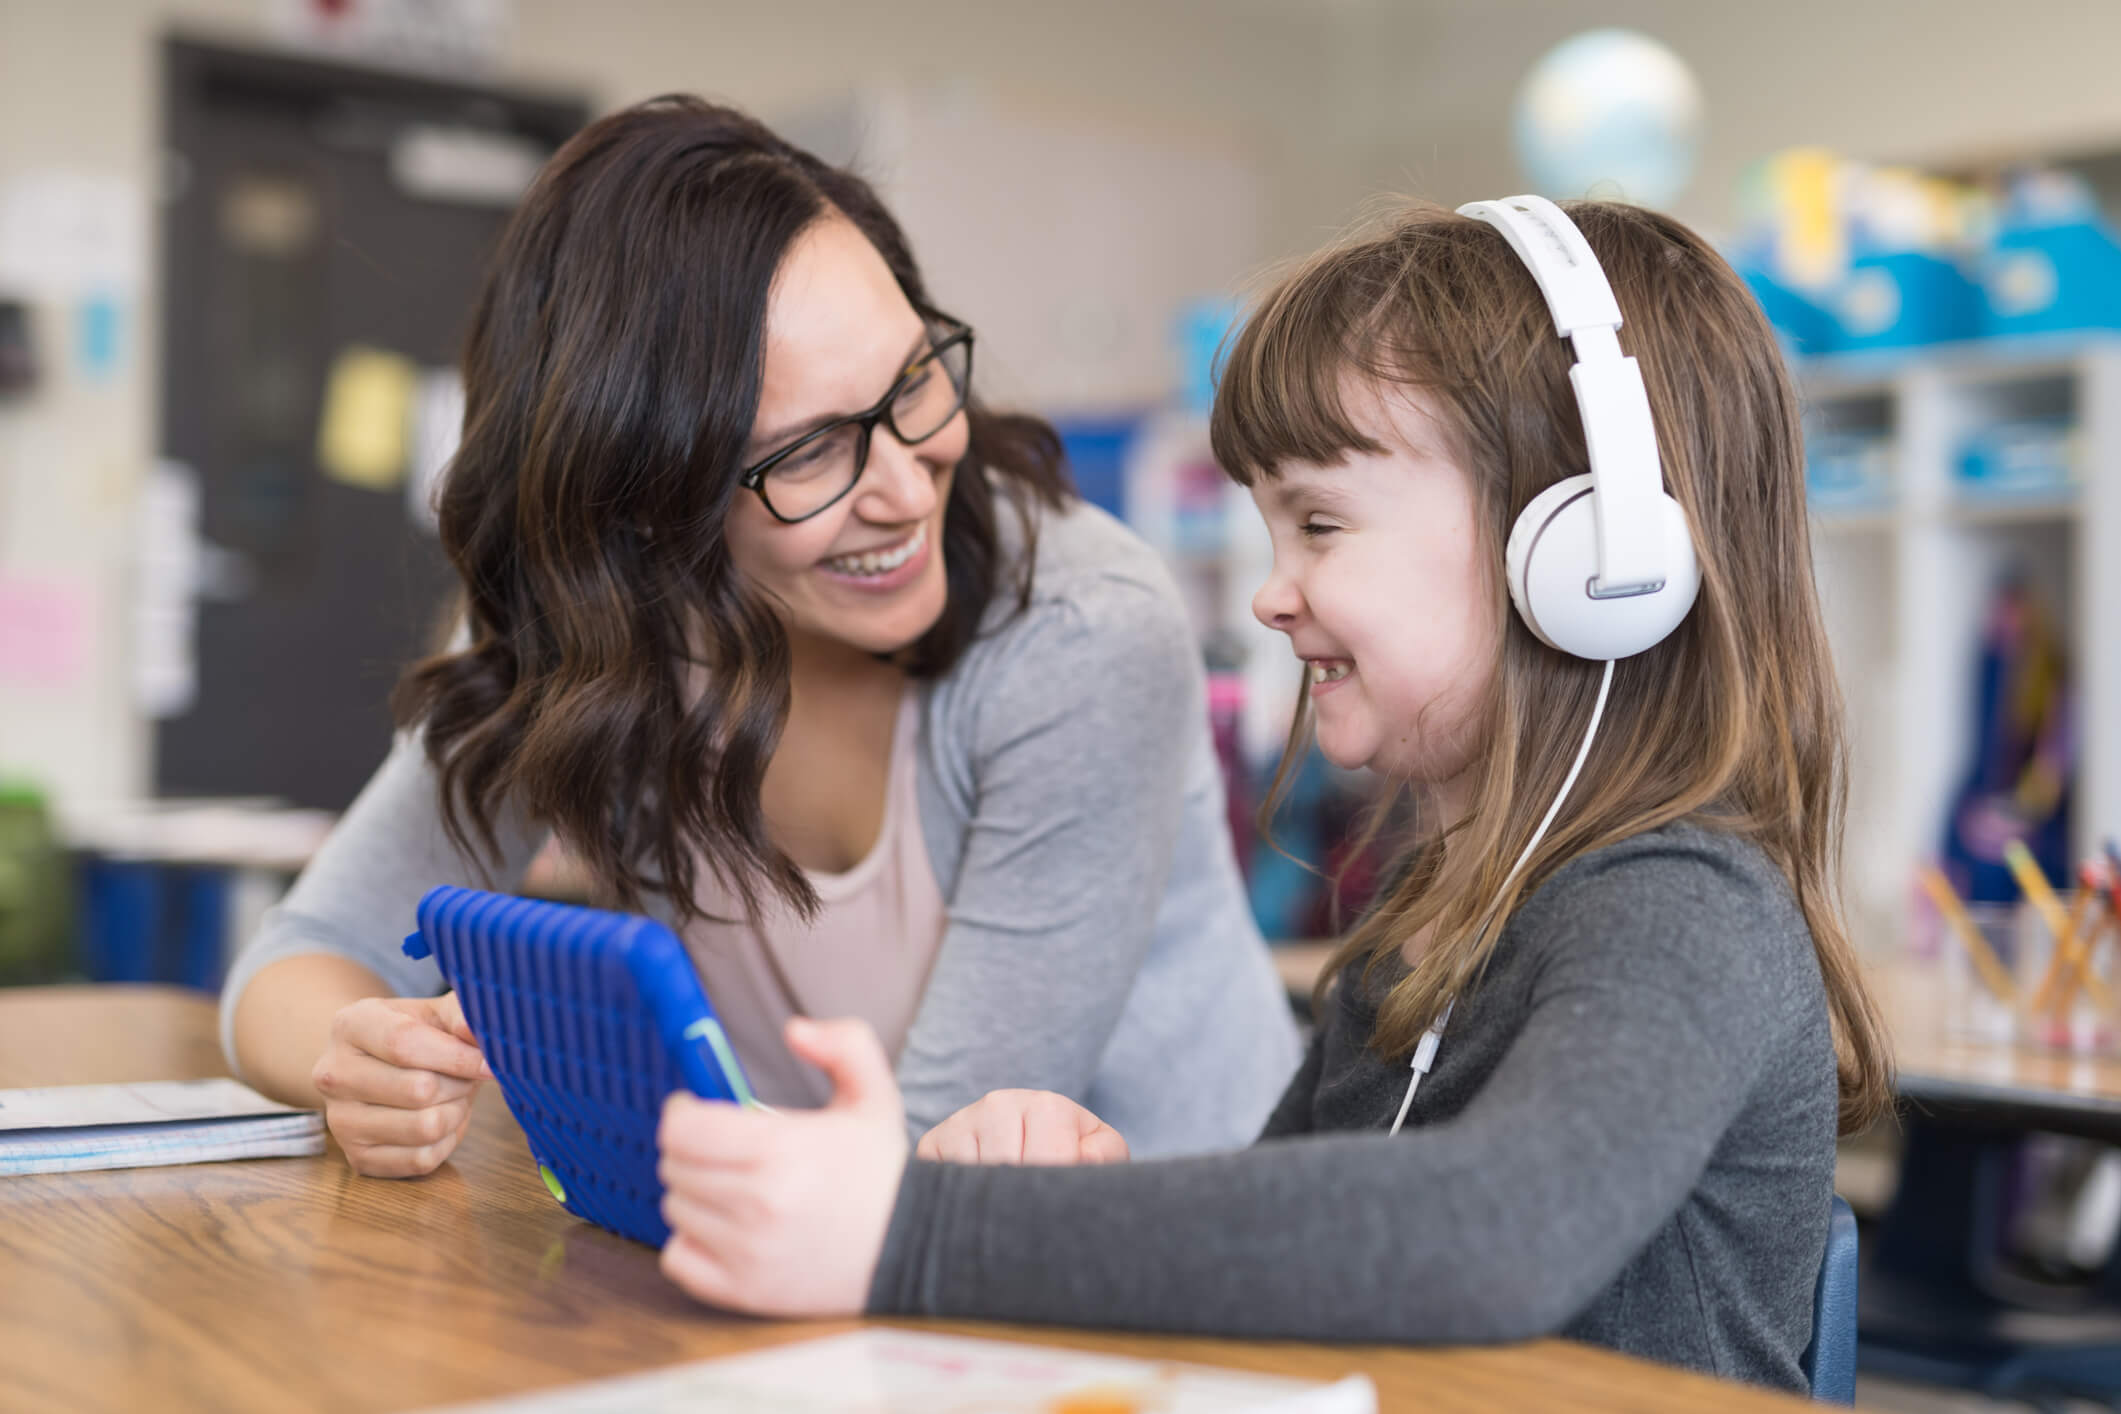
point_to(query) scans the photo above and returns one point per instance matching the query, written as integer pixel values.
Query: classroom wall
(1332, 99)
(1424, 90)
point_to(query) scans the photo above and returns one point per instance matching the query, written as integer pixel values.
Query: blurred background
(238, 239)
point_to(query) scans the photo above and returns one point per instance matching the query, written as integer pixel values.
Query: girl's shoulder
(1686, 905)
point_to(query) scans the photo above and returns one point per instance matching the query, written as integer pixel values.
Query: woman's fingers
(355, 1076)
(356, 1122)
(412, 1041)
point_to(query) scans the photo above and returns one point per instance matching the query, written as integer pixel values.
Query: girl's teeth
(1328, 672)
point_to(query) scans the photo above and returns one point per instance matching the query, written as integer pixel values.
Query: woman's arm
(281, 1017)
(335, 939)
(1083, 740)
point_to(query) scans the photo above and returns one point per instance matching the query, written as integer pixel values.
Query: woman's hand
(1023, 1127)
(398, 1076)
(785, 1214)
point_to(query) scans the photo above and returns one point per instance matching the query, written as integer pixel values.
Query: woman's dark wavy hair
(611, 376)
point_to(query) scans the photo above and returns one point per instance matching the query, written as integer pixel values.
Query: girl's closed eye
(1312, 529)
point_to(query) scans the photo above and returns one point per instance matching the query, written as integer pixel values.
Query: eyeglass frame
(753, 477)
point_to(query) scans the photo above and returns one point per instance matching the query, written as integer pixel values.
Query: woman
(798, 647)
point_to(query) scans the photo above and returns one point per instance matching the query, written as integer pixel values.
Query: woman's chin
(889, 628)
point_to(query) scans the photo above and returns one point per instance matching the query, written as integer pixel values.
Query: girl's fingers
(696, 1273)
(1051, 1134)
(951, 1142)
(351, 1075)
(714, 1133)
(998, 1134)
(704, 1219)
(1104, 1145)
(731, 1192)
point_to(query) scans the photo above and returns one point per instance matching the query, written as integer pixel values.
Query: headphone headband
(1618, 431)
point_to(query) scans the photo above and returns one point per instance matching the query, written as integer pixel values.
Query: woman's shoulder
(1083, 553)
(1098, 592)
(1104, 633)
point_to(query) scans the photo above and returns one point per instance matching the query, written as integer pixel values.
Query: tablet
(588, 1020)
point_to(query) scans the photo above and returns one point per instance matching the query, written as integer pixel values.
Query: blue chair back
(1830, 1360)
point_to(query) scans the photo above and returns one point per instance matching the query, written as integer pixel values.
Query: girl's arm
(1659, 1015)
(1499, 1225)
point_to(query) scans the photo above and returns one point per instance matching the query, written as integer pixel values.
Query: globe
(1609, 113)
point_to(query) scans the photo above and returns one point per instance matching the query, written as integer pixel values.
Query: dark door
(314, 210)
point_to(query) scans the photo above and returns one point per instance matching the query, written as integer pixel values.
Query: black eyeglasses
(816, 470)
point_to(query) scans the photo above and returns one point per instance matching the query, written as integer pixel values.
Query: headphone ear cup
(1552, 561)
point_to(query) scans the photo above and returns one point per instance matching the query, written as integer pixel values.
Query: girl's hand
(784, 1214)
(1023, 1127)
(398, 1076)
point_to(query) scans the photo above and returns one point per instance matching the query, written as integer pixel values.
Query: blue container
(2032, 458)
(1097, 456)
(1202, 331)
(1904, 299)
(1803, 326)
(1849, 471)
(2049, 279)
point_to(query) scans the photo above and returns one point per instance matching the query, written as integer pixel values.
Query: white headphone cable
(1425, 1049)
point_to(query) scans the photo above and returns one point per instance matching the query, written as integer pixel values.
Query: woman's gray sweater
(1098, 941)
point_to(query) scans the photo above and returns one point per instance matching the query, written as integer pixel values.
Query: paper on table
(133, 1146)
(901, 1372)
(66, 1128)
(153, 1102)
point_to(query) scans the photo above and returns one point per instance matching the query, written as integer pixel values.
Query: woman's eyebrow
(783, 435)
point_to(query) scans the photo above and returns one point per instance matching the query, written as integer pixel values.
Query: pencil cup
(2063, 994)
(1973, 1010)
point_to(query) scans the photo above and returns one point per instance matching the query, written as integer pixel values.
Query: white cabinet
(1906, 582)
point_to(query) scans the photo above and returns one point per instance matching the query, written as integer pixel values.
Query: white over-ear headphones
(1600, 566)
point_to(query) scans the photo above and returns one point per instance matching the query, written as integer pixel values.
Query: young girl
(1603, 1003)
(800, 648)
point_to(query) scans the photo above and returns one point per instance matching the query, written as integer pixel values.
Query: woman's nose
(897, 484)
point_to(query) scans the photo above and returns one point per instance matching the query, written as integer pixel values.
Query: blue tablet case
(589, 1020)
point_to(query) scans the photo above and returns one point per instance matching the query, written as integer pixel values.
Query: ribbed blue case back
(579, 1012)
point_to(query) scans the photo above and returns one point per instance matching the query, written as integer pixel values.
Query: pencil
(1985, 960)
(2041, 895)
(2082, 972)
(2069, 961)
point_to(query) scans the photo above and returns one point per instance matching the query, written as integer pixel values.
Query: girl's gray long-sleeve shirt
(1098, 942)
(1627, 1138)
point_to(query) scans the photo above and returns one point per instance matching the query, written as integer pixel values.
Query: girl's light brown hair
(1734, 722)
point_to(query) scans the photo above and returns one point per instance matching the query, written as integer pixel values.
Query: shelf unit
(1906, 581)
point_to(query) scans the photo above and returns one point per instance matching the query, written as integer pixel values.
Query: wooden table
(291, 1284)
(2010, 1084)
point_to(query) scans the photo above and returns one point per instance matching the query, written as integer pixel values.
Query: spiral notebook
(67, 1128)
(887, 1371)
